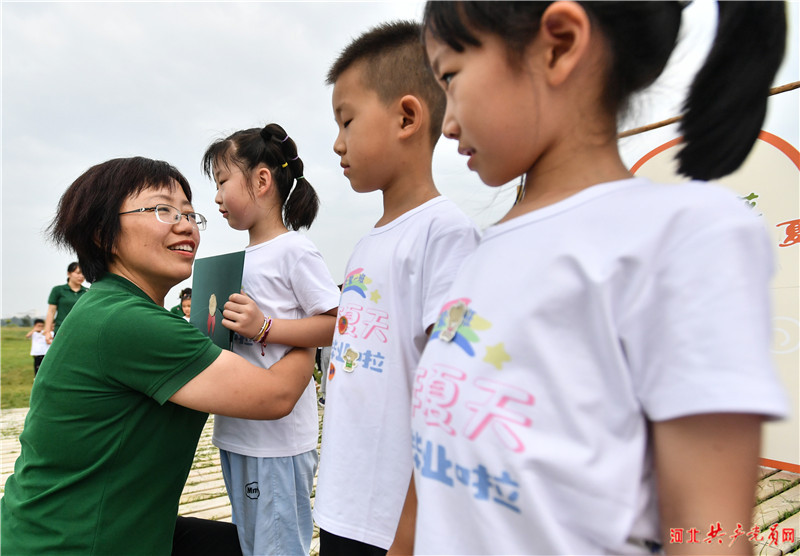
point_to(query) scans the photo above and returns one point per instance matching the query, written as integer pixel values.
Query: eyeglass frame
(200, 221)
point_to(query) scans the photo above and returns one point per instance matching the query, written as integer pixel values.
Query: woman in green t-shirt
(61, 300)
(117, 410)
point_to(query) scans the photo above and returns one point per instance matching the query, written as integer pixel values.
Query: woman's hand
(242, 315)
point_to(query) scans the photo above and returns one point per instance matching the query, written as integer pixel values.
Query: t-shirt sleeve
(313, 286)
(698, 338)
(451, 238)
(154, 351)
(54, 296)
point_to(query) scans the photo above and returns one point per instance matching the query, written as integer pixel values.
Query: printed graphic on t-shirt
(432, 462)
(457, 323)
(490, 412)
(357, 282)
(476, 407)
(362, 328)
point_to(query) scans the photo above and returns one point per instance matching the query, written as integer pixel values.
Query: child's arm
(316, 331)
(404, 536)
(30, 333)
(706, 467)
(243, 316)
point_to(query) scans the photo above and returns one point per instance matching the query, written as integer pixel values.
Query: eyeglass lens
(171, 215)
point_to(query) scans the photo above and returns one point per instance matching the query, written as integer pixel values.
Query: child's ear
(565, 30)
(411, 114)
(263, 181)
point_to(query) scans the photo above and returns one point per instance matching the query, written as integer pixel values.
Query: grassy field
(16, 367)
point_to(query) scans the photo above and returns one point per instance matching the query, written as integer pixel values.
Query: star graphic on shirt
(375, 296)
(496, 355)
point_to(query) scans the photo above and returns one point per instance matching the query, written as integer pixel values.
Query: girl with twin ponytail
(608, 366)
(288, 299)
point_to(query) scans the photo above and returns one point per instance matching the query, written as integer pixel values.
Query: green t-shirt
(105, 455)
(64, 298)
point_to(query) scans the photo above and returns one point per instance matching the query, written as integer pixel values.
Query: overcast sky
(86, 82)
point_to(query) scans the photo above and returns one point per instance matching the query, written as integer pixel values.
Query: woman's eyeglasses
(170, 215)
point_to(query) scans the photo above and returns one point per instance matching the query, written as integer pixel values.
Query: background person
(186, 307)
(62, 299)
(186, 293)
(39, 344)
(117, 408)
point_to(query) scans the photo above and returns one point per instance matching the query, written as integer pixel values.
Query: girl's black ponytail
(300, 201)
(300, 209)
(727, 101)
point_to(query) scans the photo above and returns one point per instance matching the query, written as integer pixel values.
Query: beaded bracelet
(261, 337)
(260, 332)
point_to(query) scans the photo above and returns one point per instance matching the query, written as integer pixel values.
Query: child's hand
(242, 315)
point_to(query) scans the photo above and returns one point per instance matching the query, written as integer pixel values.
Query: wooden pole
(668, 121)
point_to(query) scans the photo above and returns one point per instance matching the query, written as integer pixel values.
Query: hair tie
(294, 186)
(284, 139)
(284, 165)
(300, 178)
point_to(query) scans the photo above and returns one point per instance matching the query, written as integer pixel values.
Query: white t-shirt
(288, 279)
(572, 326)
(39, 343)
(393, 288)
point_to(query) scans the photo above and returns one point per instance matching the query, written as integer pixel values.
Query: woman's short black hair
(87, 220)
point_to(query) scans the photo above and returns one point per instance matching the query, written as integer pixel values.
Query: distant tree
(27, 322)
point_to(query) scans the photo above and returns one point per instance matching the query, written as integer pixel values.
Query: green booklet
(214, 279)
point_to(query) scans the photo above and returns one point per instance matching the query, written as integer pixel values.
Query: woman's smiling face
(153, 255)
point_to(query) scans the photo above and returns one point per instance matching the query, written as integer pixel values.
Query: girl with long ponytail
(600, 371)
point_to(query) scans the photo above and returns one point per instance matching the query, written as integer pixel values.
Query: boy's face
(38, 327)
(366, 140)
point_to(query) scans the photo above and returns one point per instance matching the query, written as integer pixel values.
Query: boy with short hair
(389, 111)
(39, 344)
